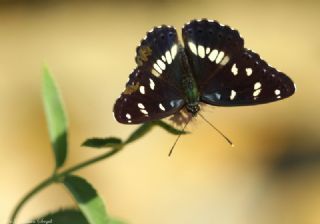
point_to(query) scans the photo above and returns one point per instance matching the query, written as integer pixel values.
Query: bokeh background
(271, 176)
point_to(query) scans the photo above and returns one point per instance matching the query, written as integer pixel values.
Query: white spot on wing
(168, 57)
(142, 90)
(218, 95)
(249, 71)
(141, 106)
(257, 85)
(201, 51)
(144, 111)
(161, 64)
(128, 116)
(207, 50)
(174, 51)
(161, 107)
(151, 83)
(193, 47)
(219, 57)
(234, 69)
(233, 94)
(163, 58)
(212, 56)
(277, 92)
(155, 73)
(225, 60)
(256, 92)
(157, 68)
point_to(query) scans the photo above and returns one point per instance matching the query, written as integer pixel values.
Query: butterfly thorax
(191, 94)
(189, 86)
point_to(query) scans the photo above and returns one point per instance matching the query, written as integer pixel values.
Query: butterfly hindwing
(146, 98)
(227, 74)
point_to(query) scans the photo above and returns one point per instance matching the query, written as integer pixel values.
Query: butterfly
(211, 67)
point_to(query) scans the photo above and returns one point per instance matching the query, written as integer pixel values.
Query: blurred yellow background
(271, 176)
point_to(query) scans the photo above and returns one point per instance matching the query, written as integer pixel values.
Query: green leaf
(56, 118)
(169, 128)
(139, 132)
(67, 216)
(115, 221)
(87, 199)
(63, 216)
(102, 142)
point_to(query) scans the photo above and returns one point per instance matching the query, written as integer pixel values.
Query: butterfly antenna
(225, 137)
(175, 142)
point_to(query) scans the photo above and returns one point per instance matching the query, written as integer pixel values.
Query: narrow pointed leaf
(56, 118)
(139, 132)
(89, 202)
(169, 128)
(102, 142)
(68, 216)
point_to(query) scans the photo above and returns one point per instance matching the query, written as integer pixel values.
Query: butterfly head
(193, 109)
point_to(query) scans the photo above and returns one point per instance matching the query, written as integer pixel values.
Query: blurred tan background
(271, 176)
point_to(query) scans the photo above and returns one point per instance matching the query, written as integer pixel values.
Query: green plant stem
(34, 191)
(56, 177)
(88, 162)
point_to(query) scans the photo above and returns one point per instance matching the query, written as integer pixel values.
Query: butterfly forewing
(247, 80)
(227, 74)
(209, 47)
(160, 54)
(154, 88)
